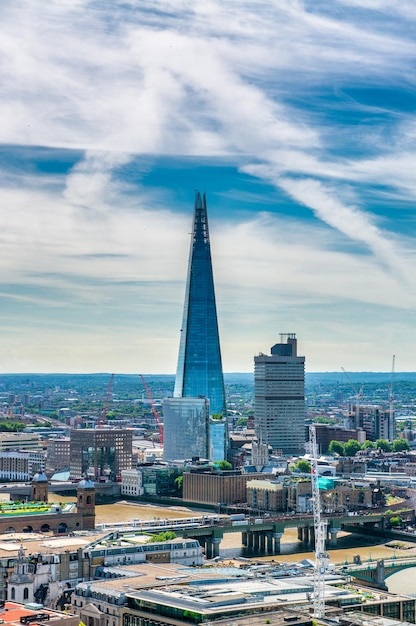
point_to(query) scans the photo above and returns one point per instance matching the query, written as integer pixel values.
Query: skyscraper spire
(199, 371)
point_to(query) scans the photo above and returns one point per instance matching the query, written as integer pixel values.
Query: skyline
(296, 120)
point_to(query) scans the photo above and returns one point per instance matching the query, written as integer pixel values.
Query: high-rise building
(279, 397)
(199, 373)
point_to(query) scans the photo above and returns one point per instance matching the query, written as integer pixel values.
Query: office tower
(186, 428)
(100, 452)
(199, 372)
(279, 397)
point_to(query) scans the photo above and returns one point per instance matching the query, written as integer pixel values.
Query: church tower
(20, 583)
(86, 503)
(39, 491)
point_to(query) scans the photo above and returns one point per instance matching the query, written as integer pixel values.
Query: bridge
(374, 574)
(264, 534)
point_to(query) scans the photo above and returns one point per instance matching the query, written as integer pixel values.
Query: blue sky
(296, 118)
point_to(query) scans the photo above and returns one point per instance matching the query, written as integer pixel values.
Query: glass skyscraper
(199, 373)
(199, 370)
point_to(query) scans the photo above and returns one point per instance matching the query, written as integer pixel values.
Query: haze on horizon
(297, 120)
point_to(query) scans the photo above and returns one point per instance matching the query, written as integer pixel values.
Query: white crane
(321, 556)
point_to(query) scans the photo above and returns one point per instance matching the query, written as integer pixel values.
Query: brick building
(212, 487)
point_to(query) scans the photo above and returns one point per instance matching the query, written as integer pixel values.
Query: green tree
(179, 484)
(351, 447)
(242, 421)
(224, 465)
(368, 444)
(400, 444)
(322, 419)
(396, 520)
(383, 444)
(165, 535)
(336, 447)
(303, 466)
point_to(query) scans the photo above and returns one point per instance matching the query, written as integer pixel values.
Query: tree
(336, 447)
(179, 484)
(400, 444)
(351, 447)
(165, 535)
(303, 466)
(396, 520)
(368, 444)
(224, 465)
(383, 444)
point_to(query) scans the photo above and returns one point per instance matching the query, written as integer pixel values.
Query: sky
(296, 118)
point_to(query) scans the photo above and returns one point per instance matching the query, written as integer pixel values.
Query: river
(349, 545)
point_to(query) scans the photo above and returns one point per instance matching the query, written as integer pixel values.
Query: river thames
(349, 545)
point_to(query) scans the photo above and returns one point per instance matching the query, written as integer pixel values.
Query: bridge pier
(256, 542)
(277, 537)
(300, 533)
(306, 534)
(208, 549)
(262, 542)
(250, 540)
(215, 547)
(269, 541)
(333, 533)
(244, 538)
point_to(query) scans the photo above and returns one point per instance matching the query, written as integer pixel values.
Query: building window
(13, 593)
(25, 593)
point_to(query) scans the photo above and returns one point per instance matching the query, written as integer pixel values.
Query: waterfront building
(131, 482)
(100, 452)
(279, 397)
(215, 487)
(199, 372)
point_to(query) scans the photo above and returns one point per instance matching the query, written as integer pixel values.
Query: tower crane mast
(154, 411)
(321, 556)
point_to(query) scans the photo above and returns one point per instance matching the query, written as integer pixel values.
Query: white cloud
(117, 79)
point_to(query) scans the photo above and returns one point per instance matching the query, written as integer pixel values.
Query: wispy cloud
(295, 94)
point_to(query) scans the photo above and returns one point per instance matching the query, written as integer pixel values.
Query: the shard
(199, 371)
(199, 374)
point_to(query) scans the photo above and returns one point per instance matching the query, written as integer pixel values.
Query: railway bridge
(265, 534)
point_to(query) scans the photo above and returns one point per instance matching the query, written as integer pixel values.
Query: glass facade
(217, 430)
(199, 371)
(185, 426)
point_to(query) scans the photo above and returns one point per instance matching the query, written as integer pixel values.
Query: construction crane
(321, 556)
(358, 397)
(107, 400)
(391, 428)
(155, 413)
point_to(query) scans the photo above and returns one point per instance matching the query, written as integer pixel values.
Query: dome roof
(86, 483)
(40, 477)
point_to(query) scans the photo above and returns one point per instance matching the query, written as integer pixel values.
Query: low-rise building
(132, 482)
(210, 486)
(21, 465)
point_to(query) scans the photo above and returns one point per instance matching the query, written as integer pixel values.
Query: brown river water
(292, 550)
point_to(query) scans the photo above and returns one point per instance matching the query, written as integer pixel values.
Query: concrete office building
(199, 373)
(279, 397)
(100, 452)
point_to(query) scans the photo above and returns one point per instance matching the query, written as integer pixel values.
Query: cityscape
(207, 374)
